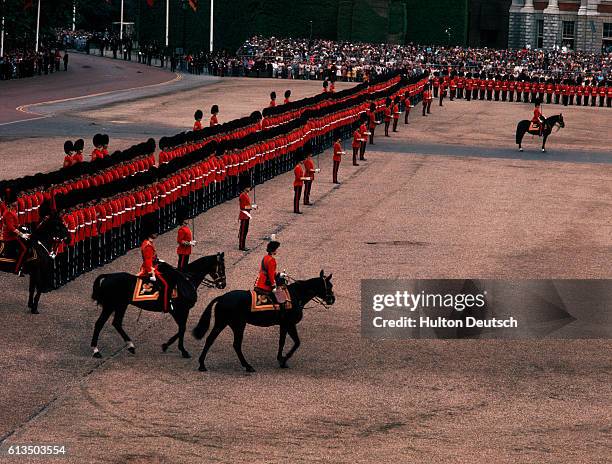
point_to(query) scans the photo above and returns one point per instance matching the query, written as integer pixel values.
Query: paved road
(86, 75)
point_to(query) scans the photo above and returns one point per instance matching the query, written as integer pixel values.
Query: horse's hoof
(520, 149)
(543, 151)
(250, 369)
(185, 355)
(34, 311)
(97, 355)
(164, 347)
(202, 368)
(132, 349)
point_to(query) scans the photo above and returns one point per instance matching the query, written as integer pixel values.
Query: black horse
(523, 127)
(234, 309)
(115, 293)
(38, 261)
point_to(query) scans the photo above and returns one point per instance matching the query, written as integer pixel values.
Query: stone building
(584, 25)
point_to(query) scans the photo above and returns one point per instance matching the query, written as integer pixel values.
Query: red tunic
(184, 235)
(197, 126)
(310, 168)
(267, 273)
(149, 254)
(9, 224)
(245, 206)
(299, 173)
(337, 150)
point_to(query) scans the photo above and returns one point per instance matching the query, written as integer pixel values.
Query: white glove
(317, 170)
(52, 255)
(253, 206)
(153, 278)
(23, 235)
(192, 243)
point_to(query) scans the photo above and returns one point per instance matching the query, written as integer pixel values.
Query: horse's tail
(95, 294)
(200, 330)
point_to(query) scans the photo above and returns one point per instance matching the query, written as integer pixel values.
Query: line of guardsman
(505, 87)
(104, 202)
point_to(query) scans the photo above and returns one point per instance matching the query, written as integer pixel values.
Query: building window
(540, 37)
(606, 43)
(568, 34)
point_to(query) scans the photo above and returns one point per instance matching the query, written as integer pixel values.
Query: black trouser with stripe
(183, 261)
(307, 189)
(296, 198)
(242, 234)
(335, 171)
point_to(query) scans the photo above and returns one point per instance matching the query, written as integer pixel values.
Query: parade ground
(448, 196)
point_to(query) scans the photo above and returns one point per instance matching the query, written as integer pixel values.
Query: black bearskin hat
(79, 145)
(105, 139)
(97, 140)
(214, 109)
(68, 147)
(272, 246)
(198, 115)
(287, 93)
(273, 95)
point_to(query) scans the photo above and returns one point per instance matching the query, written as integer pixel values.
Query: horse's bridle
(217, 276)
(318, 300)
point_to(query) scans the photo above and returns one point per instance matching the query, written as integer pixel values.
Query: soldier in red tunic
(197, 125)
(97, 152)
(396, 113)
(336, 159)
(309, 172)
(287, 96)
(68, 150)
(388, 111)
(272, 99)
(185, 241)
(10, 231)
(538, 118)
(298, 183)
(266, 278)
(149, 264)
(214, 111)
(78, 146)
(244, 217)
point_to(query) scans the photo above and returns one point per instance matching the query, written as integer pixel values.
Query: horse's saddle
(145, 290)
(263, 302)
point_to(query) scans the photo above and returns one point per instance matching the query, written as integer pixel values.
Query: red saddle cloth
(264, 303)
(145, 290)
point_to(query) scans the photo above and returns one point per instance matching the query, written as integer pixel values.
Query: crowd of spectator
(20, 63)
(346, 61)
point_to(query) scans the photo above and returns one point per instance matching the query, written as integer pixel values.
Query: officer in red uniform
(372, 121)
(396, 113)
(309, 172)
(185, 241)
(337, 158)
(149, 264)
(10, 232)
(427, 99)
(198, 115)
(406, 101)
(244, 217)
(68, 150)
(356, 145)
(287, 96)
(214, 111)
(272, 99)
(298, 183)
(266, 279)
(363, 130)
(538, 118)
(97, 152)
(78, 146)
(388, 111)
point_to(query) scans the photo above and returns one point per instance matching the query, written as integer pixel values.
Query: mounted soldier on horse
(538, 125)
(238, 308)
(158, 287)
(25, 251)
